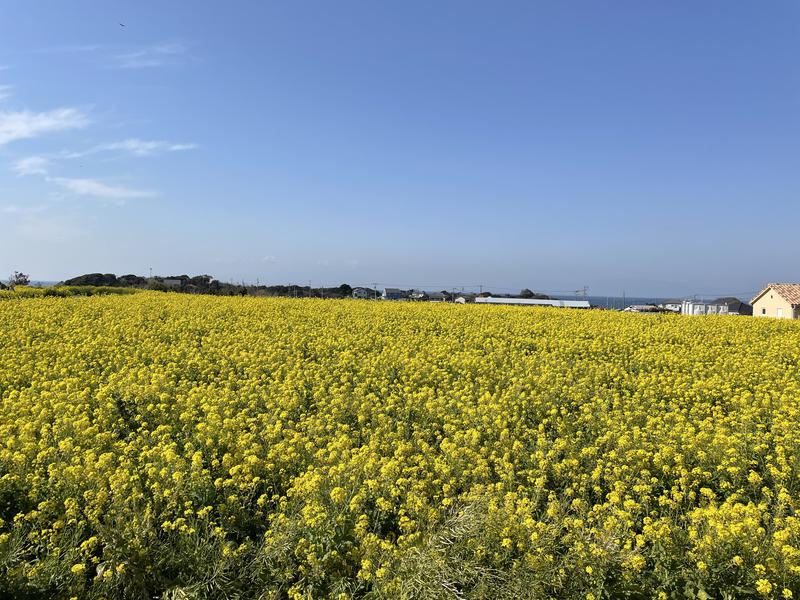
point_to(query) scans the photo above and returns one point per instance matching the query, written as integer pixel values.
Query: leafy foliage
(18, 278)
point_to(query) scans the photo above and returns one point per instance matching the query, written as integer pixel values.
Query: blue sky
(651, 147)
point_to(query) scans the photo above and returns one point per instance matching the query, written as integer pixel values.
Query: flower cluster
(185, 446)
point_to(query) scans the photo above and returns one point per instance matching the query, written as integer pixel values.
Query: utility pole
(480, 287)
(151, 272)
(375, 290)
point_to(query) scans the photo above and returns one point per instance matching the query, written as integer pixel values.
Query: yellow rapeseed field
(163, 445)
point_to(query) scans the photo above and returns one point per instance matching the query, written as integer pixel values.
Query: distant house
(720, 306)
(362, 293)
(394, 294)
(422, 295)
(534, 302)
(696, 307)
(735, 306)
(673, 305)
(172, 283)
(643, 308)
(779, 300)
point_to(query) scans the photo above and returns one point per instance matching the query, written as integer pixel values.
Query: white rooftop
(535, 302)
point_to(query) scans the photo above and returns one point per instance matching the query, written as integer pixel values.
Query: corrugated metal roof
(535, 302)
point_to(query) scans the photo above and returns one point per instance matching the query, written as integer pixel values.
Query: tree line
(206, 284)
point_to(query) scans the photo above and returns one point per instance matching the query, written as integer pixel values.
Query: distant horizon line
(474, 288)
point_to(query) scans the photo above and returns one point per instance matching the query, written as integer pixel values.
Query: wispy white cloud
(269, 259)
(157, 55)
(70, 49)
(31, 165)
(146, 148)
(5, 91)
(15, 209)
(134, 57)
(98, 189)
(135, 146)
(25, 124)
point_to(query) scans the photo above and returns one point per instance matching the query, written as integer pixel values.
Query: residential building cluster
(777, 300)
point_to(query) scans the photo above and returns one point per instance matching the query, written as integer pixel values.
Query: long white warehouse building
(535, 302)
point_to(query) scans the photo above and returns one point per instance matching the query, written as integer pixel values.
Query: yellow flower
(350, 438)
(337, 494)
(763, 587)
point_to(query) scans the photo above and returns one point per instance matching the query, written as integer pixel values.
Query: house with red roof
(778, 300)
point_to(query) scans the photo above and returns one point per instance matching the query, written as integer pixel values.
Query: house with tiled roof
(778, 300)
